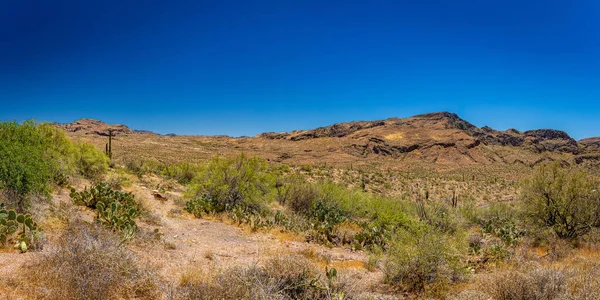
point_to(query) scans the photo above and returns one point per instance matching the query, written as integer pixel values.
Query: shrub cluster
(422, 257)
(565, 200)
(32, 156)
(228, 184)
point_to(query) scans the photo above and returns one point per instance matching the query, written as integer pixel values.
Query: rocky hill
(442, 136)
(95, 127)
(436, 138)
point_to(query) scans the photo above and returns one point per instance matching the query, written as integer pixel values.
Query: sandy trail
(207, 245)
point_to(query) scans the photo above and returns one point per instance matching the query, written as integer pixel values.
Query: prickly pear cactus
(19, 227)
(115, 209)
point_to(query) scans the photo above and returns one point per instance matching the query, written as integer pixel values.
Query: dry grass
(89, 262)
(278, 278)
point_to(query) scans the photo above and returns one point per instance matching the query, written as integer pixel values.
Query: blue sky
(245, 67)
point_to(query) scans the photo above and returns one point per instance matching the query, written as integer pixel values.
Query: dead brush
(537, 283)
(279, 278)
(89, 262)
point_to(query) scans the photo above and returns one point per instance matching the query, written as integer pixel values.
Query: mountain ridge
(440, 138)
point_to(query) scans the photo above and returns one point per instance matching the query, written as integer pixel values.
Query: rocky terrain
(95, 127)
(437, 139)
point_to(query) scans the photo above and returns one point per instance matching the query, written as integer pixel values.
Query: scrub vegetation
(86, 221)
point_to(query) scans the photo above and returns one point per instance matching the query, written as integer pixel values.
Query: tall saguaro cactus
(109, 145)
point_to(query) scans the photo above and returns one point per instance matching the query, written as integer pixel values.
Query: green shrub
(297, 194)
(500, 220)
(33, 156)
(90, 161)
(565, 200)
(25, 166)
(325, 205)
(184, 172)
(439, 215)
(229, 183)
(422, 257)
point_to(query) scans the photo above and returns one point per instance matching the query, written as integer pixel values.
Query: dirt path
(186, 244)
(191, 245)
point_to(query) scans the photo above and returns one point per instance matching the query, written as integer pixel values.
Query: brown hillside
(435, 139)
(95, 127)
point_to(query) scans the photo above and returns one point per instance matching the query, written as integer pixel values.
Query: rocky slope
(442, 136)
(435, 138)
(95, 127)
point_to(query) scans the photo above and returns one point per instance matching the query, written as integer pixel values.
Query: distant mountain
(442, 135)
(95, 127)
(440, 138)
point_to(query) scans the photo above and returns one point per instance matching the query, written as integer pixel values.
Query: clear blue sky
(245, 67)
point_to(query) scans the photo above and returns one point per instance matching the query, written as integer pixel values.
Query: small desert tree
(33, 156)
(564, 199)
(229, 183)
(24, 163)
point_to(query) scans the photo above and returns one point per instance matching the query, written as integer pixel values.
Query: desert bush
(279, 278)
(141, 166)
(325, 205)
(87, 262)
(229, 183)
(33, 156)
(24, 164)
(535, 284)
(119, 179)
(565, 200)
(422, 258)
(439, 215)
(297, 194)
(91, 162)
(502, 221)
(183, 172)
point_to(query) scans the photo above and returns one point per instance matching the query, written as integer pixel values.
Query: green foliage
(18, 226)
(118, 218)
(25, 166)
(372, 235)
(228, 183)
(324, 216)
(325, 205)
(32, 156)
(102, 193)
(115, 209)
(501, 220)
(565, 200)
(422, 256)
(184, 172)
(90, 161)
(439, 215)
(200, 205)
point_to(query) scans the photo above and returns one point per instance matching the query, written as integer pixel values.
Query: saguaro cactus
(109, 145)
